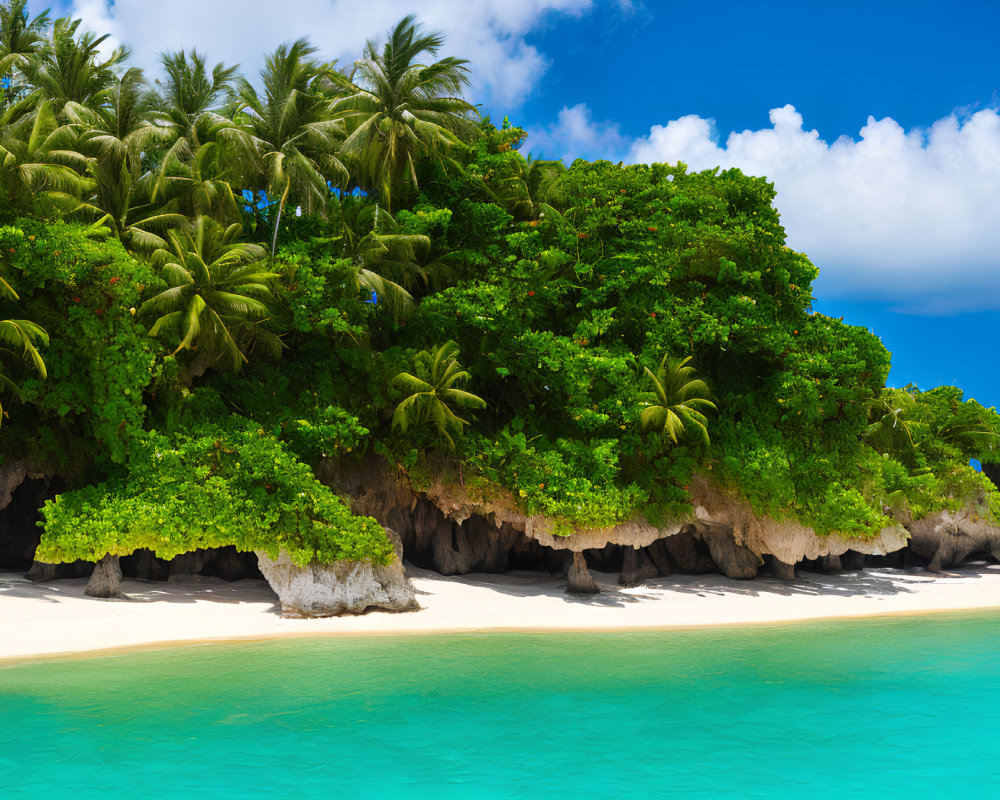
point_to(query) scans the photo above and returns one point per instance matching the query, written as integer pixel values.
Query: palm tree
(890, 424)
(19, 338)
(295, 130)
(399, 110)
(433, 393)
(677, 400)
(70, 68)
(216, 296)
(189, 94)
(117, 193)
(200, 185)
(205, 150)
(387, 262)
(20, 39)
(527, 188)
(38, 154)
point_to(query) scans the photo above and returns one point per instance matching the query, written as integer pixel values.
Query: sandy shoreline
(57, 618)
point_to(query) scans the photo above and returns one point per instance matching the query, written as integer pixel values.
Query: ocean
(905, 707)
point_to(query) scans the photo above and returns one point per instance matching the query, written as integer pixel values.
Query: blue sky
(736, 59)
(837, 64)
(877, 121)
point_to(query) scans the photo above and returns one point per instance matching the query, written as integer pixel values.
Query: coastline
(57, 619)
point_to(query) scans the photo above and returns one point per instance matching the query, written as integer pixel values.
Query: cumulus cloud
(490, 33)
(894, 215)
(908, 217)
(575, 134)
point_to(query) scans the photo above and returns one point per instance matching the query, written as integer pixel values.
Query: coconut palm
(890, 424)
(388, 262)
(360, 241)
(398, 110)
(528, 188)
(434, 392)
(19, 339)
(69, 67)
(189, 93)
(118, 130)
(204, 150)
(199, 186)
(408, 259)
(20, 39)
(39, 154)
(216, 295)
(677, 401)
(294, 129)
(116, 192)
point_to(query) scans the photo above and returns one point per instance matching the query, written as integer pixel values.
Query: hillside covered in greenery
(210, 283)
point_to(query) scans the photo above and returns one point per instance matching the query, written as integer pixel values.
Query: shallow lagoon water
(894, 707)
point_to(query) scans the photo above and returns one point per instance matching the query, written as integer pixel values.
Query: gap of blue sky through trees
(877, 121)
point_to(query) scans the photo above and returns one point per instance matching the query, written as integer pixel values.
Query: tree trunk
(281, 208)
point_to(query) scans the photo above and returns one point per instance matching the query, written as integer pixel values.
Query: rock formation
(947, 538)
(24, 488)
(444, 527)
(344, 587)
(106, 579)
(579, 579)
(637, 566)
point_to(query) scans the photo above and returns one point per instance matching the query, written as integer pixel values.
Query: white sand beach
(57, 618)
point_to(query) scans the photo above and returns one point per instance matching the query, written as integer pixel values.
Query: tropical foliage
(19, 341)
(399, 110)
(434, 391)
(210, 286)
(215, 296)
(677, 402)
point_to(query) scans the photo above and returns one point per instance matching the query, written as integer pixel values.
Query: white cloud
(576, 135)
(905, 217)
(901, 216)
(490, 33)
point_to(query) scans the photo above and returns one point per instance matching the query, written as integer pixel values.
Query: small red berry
(531, 294)
(114, 280)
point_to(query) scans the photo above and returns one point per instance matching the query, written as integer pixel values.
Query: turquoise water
(906, 708)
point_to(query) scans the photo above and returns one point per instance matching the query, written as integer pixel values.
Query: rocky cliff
(444, 527)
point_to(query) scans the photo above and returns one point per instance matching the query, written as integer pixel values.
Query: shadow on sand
(182, 589)
(870, 582)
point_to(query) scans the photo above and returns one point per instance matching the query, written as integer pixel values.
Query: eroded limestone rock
(41, 572)
(344, 587)
(144, 565)
(445, 528)
(106, 579)
(787, 540)
(733, 559)
(831, 564)
(782, 570)
(580, 581)
(637, 567)
(946, 538)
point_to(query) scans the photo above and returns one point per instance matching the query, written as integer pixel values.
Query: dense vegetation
(211, 284)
